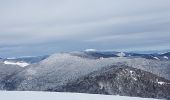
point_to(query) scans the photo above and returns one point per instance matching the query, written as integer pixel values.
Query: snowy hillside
(58, 70)
(61, 96)
(6, 71)
(84, 72)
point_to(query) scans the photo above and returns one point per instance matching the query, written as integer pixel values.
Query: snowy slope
(4, 95)
(21, 64)
(160, 68)
(57, 70)
(60, 69)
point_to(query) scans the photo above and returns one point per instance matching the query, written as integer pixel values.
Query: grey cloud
(57, 24)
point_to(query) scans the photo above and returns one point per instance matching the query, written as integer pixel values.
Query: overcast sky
(38, 27)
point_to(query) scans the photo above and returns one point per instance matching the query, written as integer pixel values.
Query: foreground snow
(6, 95)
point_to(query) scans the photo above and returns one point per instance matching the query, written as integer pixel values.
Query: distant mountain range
(107, 54)
(90, 71)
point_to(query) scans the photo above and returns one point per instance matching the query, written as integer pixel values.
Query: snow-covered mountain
(57, 70)
(120, 81)
(106, 54)
(99, 72)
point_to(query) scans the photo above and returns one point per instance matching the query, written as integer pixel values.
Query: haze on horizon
(38, 27)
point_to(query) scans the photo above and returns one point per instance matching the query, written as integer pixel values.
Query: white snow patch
(21, 64)
(121, 54)
(90, 50)
(166, 57)
(25, 95)
(135, 78)
(131, 72)
(156, 58)
(12, 58)
(161, 83)
(132, 75)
